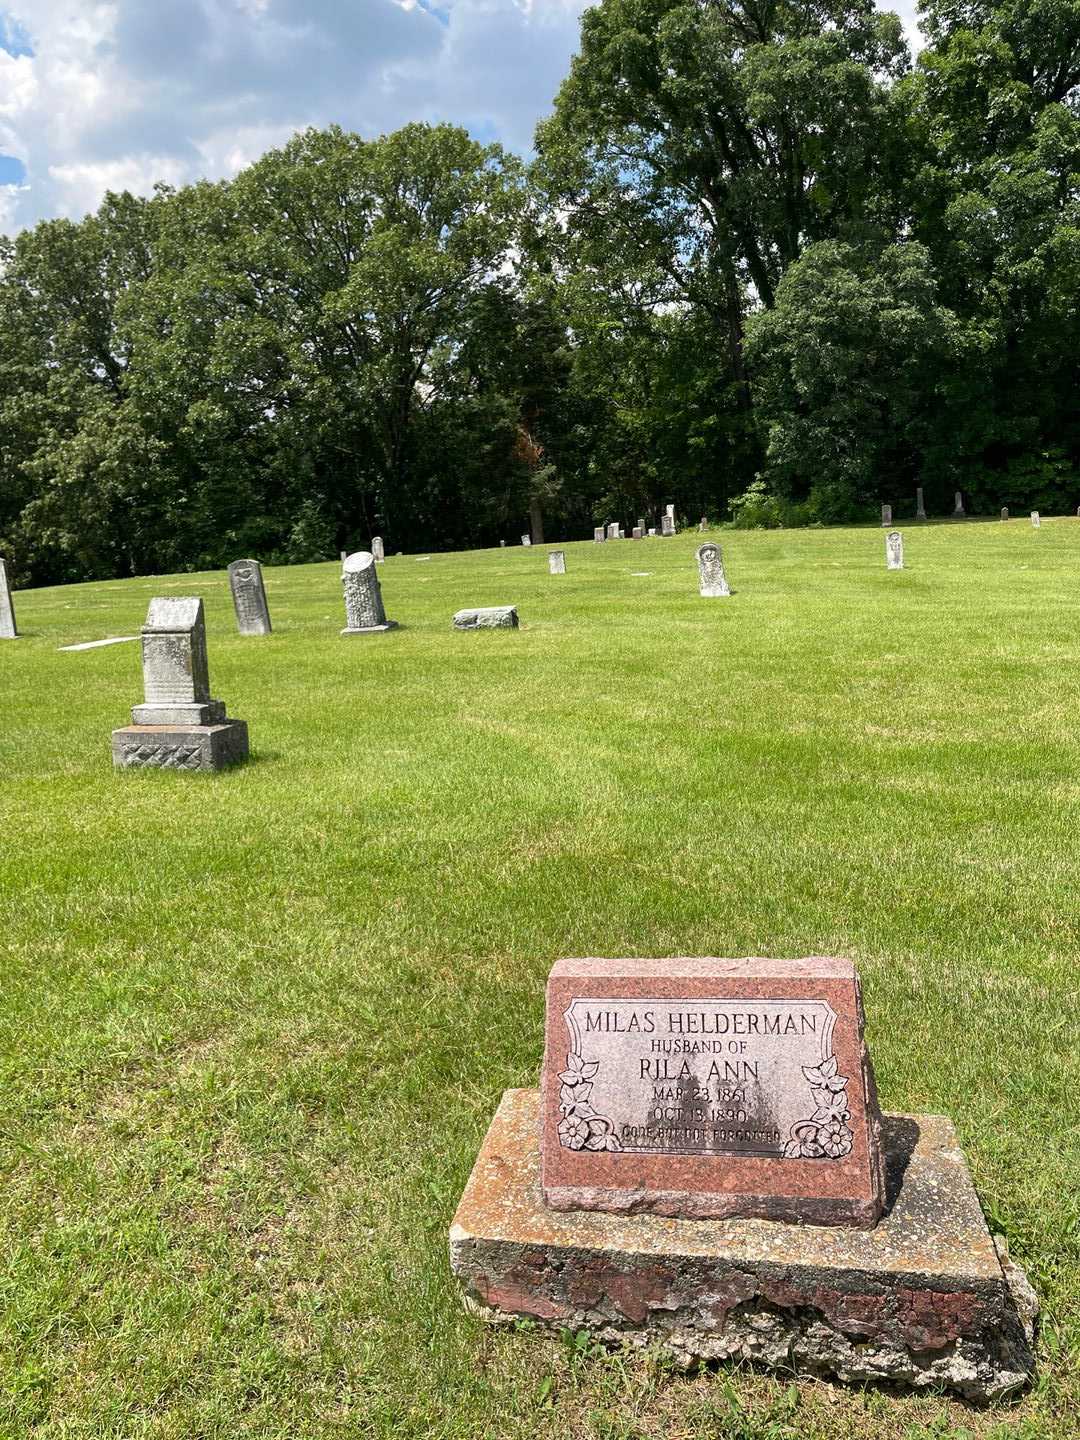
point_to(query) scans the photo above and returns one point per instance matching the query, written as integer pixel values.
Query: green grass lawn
(256, 1023)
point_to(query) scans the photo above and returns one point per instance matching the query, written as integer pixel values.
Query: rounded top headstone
(358, 560)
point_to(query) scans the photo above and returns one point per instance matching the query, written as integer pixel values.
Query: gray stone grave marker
(886, 515)
(378, 549)
(894, 550)
(179, 726)
(557, 562)
(488, 617)
(613, 531)
(638, 532)
(365, 613)
(712, 580)
(958, 506)
(249, 597)
(1034, 519)
(599, 534)
(920, 507)
(526, 539)
(667, 525)
(8, 629)
(1004, 512)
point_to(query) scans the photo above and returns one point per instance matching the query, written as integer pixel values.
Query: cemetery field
(256, 1024)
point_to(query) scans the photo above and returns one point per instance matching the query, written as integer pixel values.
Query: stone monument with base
(8, 630)
(705, 1171)
(249, 597)
(365, 613)
(667, 524)
(179, 726)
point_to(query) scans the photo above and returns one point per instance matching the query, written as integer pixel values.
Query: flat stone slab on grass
(490, 617)
(97, 644)
(924, 1299)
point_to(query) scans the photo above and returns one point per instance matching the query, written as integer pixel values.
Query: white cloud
(121, 93)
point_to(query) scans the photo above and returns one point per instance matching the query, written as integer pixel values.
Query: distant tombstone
(179, 726)
(502, 543)
(713, 581)
(7, 609)
(557, 562)
(613, 531)
(377, 548)
(599, 534)
(526, 539)
(1035, 519)
(364, 610)
(249, 597)
(638, 532)
(886, 514)
(667, 525)
(920, 507)
(670, 510)
(489, 617)
(1004, 512)
(652, 531)
(642, 526)
(894, 550)
(344, 553)
(622, 533)
(958, 506)
(1078, 512)
(703, 525)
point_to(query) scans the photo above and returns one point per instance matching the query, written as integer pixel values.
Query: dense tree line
(761, 265)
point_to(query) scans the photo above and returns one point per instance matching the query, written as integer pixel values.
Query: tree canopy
(761, 265)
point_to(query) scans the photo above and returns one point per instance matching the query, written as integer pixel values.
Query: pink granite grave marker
(710, 1088)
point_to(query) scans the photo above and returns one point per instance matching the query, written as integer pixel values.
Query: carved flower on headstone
(825, 1132)
(573, 1132)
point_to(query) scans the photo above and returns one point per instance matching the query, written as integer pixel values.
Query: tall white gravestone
(179, 725)
(613, 530)
(249, 597)
(599, 534)
(1034, 519)
(886, 515)
(667, 525)
(8, 630)
(364, 610)
(557, 562)
(920, 507)
(894, 550)
(378, 549)
(958, 506)
(712, 580)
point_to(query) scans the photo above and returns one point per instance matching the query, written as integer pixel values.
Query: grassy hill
(256, 1024)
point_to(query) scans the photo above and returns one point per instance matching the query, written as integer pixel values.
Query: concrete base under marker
(926, 1298)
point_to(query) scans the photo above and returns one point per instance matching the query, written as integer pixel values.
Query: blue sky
(116, 94)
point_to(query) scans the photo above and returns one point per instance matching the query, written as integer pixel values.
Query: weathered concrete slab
(924, 1299)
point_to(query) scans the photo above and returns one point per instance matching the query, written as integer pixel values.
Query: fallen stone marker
(490, 617)
(97, 644)
(705, 1171)
(178, 726)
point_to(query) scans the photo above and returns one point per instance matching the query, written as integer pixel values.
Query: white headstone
(958, 506)
(365, 613)
(667, 525)
(886, 514)
(713, 581)
(638, 532)
(613, 531)
(1004, 512)
(599, 534)
(894, 550)
(652, 531)
(7, 609)
(249, 597)
(557, 562)
(526, 539)
(377, 548)
(1035, 519)
(670, 510)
